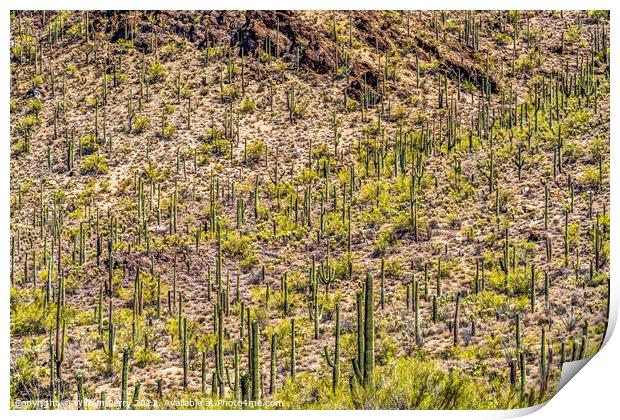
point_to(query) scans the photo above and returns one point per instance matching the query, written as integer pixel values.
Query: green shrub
(502, 38)
(516, 283)
(230, 93)
(238, 245)
(528, 62)
(169, 51)
(248, 106)
(28, 123)
(256, 149)
(407, 383)
(468, 86)
(155, 72)
(146, 357)
(37, 80)
(28, 317)
(590, 176)
(169, 131)
(141, 123)
(27, 373)
(35, 105)
(94, 164)
(300, 110)
(88, 144)
(598, 15)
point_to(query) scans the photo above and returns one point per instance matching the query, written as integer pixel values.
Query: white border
(592, 395)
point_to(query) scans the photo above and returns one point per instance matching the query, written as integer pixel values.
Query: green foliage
(210, 53)
(28, 316)
(598, 15)
(385, 240)
(502, 38)
(516, 283)
(156, 72)
(88, 143)
(256, 150)
(408, 383)
(94, 164)
(387, 348)
(27, 374)
(169, 131)
(28, 123)
(528, 62)
(230, 93)
(487, 302)
(300, 110)
(468, 86)
(37, 80)
(248, 106)
(238, 245)
(169, 51)
(146, 357)
(35, 105)
(577, 121)
(141, 123)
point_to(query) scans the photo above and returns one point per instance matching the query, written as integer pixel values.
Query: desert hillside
(306, 209)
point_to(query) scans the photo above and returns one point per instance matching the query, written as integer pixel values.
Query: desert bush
(407, 383)
(247, 106)
(94, 164)
(156, 72)
(88, 143)
(141, 123)
(256, 150)
(28, 316)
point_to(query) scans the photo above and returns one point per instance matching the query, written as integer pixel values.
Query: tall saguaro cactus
(455, 328)
(255, 374)
(293, 351)
(60, 329)
(369, 333)
(335, 363)
(364, 364)
(124, 379)
(272, 372)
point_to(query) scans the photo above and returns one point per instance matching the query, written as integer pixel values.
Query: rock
(34, 93)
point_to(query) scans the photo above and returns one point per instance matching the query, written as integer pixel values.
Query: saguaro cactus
(335, 363)
(455, 327)
(358, 362)
(136, 396)
(184, 350)
(272, 372)
(543, 366)
(293, 351)
(533, 289)
(80, 392)
(255, 371)
(523, 373)
(369, 333)
(111, 338)
(416, 309)
(124, 379)
(518, 332)
(60, 329)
